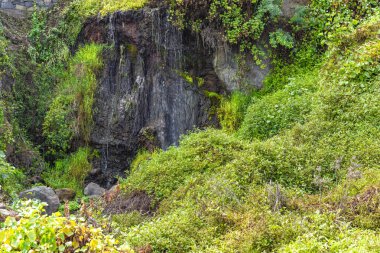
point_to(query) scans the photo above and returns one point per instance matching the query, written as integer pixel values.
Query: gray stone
(93, 189)
(7, 5)
(65, 194)
(28, 4)
(24, 5)
(4, 213)
(20, 7)
(44, 194)
(234, 76)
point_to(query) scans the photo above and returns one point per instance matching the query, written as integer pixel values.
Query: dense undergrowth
(294, 167)
(300, 174)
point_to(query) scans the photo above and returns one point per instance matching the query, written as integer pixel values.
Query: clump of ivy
(325, 21)
(241, 21)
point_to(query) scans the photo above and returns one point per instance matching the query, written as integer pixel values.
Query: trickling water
(167, 39)
(111, 28)
(140, 90)
(108, 135)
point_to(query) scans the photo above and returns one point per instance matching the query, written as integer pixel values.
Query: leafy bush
(141, 156)
(10, 178)
(70, 172)
(325, 21)
(127, 220)
(5, 60)
(325, 236)
(281, 38)
(269, 115)
(86, 8)
(37, 232)
(171, 233)
(70, 114)
(109, 6)
(231, 111)
(198, 153)
(6, 133)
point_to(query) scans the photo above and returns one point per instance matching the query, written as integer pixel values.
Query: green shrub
(11, 179)
(109, 6)
(70, 172)
(6, 131)
(231, 111)
(37, 232)
(276, 112)
(199, 153)
(5, 60)
(328, 237)
(177, 232)
(127, 220)
(84, 9)
(141, 156)
(70, 114)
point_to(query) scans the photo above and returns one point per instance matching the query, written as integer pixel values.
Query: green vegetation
(10, 178)
(37, 232)
(280, 110)
(70, 114)
(110, 6)
(242, 22)
(305, 184)
(70, 172)
(6, 133)
(141, 156)
(231, 111)
(5, 61)
(294, 167)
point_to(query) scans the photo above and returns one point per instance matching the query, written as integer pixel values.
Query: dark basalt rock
(143, 99)
(44, 194)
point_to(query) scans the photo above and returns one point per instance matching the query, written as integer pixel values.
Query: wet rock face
(152, 89)
(243, 74)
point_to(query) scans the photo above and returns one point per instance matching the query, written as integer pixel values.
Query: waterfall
(111, 28)
(146, 46)
(167, 39)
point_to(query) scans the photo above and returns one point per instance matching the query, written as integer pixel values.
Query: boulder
(65, 194)
(44, 194)
(93, 189)
(4, 213)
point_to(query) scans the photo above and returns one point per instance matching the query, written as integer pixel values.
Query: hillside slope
(300, 175)
(165, 104)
